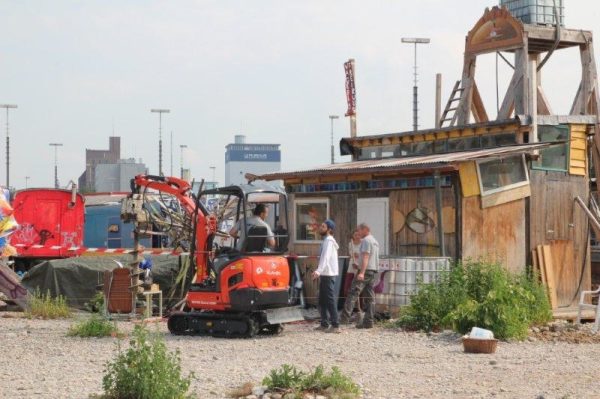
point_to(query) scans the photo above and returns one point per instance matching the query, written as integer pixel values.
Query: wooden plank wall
(497, 233)
(577, 151)
(554, 217)
(422, 244)
(343, 211)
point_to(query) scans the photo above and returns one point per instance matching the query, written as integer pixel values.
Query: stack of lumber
(554, 263)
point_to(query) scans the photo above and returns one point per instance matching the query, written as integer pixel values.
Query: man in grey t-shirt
(257, 219)
(364, 281)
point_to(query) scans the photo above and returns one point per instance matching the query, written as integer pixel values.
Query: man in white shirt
(259, 214)
(327, 272)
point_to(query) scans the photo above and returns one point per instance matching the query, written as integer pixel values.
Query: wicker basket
(473, 345)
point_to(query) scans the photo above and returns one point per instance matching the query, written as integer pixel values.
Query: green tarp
(77, 278)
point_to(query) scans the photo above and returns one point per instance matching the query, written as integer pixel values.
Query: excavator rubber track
(220, 325)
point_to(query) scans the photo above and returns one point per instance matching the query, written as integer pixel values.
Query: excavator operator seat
(256, 239)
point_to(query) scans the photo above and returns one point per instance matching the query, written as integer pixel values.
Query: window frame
(319, 200)
(567, 144)
(484, 193)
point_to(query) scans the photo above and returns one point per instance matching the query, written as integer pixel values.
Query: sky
(272, 70)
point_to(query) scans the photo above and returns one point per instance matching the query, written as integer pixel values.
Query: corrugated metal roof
(422, 162)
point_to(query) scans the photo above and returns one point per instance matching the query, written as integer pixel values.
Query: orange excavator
(239, 286)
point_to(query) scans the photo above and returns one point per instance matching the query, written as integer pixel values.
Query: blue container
(105, 229)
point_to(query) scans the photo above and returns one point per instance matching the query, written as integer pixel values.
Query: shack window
(557, 156)
(386, 151)
(463, 144)
(308, 216)
(423, 148)
(502, 174)
(498, 140)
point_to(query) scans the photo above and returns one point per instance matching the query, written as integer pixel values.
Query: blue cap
(330, 224)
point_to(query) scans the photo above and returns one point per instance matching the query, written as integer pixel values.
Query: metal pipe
(438, 100)
(438, 208)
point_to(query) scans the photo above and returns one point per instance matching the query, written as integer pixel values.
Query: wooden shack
(473, 187)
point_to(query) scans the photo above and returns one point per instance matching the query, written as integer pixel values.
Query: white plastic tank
(539, 12)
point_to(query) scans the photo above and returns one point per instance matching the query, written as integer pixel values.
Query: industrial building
(242, 158)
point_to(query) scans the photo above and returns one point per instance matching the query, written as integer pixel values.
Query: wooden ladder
(449, 114)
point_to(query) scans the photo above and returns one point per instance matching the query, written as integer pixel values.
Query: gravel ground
(39, 361)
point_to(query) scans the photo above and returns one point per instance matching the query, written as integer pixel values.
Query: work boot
(333, 330)
(364, 325)
(322, 328)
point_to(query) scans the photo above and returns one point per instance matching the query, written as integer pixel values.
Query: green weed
(332, 385)
(481, 294)
(146, 370)
(95, 304)
(46, 307)
(94, 326)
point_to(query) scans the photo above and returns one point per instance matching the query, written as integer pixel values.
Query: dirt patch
(564, 331)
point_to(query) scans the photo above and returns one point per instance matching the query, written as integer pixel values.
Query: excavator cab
(242, 283)
(247, 287)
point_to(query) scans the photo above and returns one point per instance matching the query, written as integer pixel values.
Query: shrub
(332, 384)
(479, 294)
(47, 307)
(146, 370)
(95, 304)
(94, 326)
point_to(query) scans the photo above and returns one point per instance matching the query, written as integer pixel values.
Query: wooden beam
(549, 266)
(543, 106)
(477, 106)
(522, 89)
(508, 103)
(503, 197)
(568, 36)
(461, 117)
(576, 107)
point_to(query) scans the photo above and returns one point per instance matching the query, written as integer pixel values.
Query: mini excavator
(236, 289)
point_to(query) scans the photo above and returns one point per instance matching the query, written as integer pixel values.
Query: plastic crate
(539, 12)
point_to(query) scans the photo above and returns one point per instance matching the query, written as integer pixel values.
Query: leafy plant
(286, 378)
(479, 294)
(146, 370)
(332, 384)
(47, 307)
(94, 326)
(95, 304)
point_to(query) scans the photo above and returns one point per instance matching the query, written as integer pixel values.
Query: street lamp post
(160, 112)
(56, 145)
(332, 117)
(27, 181)
(181, 146)
(7, 106)
(415, 41)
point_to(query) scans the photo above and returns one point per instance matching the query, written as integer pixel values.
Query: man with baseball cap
(327, 272)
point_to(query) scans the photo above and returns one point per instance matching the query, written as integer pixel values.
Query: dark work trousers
(328, 301)
(366, 288)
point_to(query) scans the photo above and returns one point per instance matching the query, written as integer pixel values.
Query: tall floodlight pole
(332, 117)
(181, 147)
(415, 41)
(56, 145)
(160, 112)
(7, 106)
